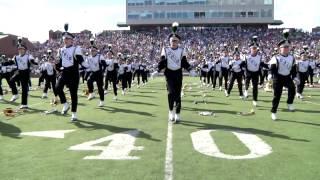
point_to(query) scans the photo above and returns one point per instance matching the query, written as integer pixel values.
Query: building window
(253, 14)
(199, 15)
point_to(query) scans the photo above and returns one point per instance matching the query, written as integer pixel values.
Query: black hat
(305, 48)
(285, 41)
(49, 52)
(110, 49)
(21, 45)
(254, 42)
(93, 44)
(236, 51)
(175, 26)
(303, 52)
(225, 47)
(66, 34)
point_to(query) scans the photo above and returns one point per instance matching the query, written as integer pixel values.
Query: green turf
(294, 138)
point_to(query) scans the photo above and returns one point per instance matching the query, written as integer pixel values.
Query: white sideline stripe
(169, 154)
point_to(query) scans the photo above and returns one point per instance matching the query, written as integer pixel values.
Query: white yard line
(169, 155)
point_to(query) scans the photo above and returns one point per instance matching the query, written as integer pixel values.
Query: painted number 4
(118, 149)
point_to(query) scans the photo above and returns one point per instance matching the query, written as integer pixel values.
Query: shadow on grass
(136, 102)
(251, 130)
(128, 111)
(114, 129)
(9, 130)
(200, 100)
(299, 122)
(214, 110)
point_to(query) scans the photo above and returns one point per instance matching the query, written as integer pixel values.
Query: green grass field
(294, 138)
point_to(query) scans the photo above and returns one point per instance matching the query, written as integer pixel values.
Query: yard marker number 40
(123, 143)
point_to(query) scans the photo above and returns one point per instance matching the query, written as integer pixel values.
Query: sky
(34, 18)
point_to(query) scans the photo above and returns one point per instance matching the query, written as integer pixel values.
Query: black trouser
(41, 79)
(86, 75)
(224, 73)
(98, 78)
(210, 77)
(11, 84)
(264, 76)
(123, 79)
(174, 85)
(129, 79)
(111, 77)
(302, 77)
(138, 74)
(82, 75)
(203, 76)
(23, 78)
(254, 76)
(50, 81)
(69, 77)
(144, 76)
(278, 83)
(134, 74)
(236, 76)
(29, 82)
(216, 74)
(310, 74)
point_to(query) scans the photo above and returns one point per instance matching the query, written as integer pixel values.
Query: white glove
(296, 81)
(193, 73)
(270, 77)
(3, 69)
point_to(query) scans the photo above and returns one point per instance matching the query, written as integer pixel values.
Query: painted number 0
(204, 143)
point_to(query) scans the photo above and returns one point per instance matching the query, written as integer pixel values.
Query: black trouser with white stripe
(112, 77)
(69, 77)
(254, 76)
(129, 79)
(216, 74)
(224, 73)
(11, 84)
(50, 80)
(278, 83)
(236, 76)
(23, 78)
(303, 76)
(98, 78)
(174, 85)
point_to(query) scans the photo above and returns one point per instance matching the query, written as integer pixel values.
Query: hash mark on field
(169, 154)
